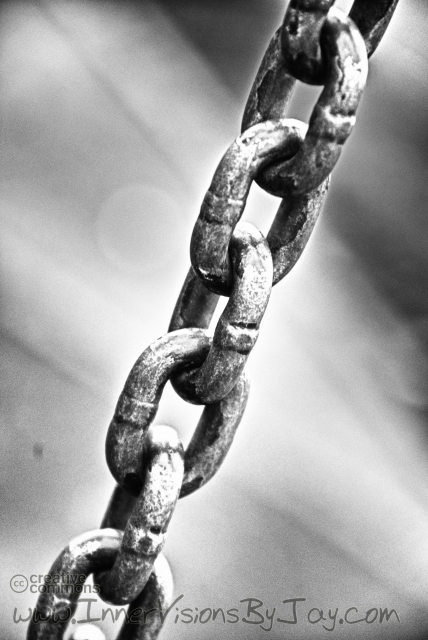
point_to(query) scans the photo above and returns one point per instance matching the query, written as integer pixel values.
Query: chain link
(238, 327)
(317, 44)
(303, 37)
(145, 533)
(91, 552)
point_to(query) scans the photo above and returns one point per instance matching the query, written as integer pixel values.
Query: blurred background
(114, 117)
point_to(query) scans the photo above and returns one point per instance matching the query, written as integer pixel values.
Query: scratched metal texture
(114, 117)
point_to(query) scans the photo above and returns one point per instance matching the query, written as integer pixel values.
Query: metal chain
(317, 44)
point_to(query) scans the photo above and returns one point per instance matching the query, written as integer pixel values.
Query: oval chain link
(139, 402)
(222, 209)
(91, 552)
(146, 529)
(225, 200)
(333, 117)
(125, 443)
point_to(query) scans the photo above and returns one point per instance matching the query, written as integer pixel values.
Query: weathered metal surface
(292, 228)
(290, 160)
(146, 613)
(55, 607)
(272, 88)
(372, 18)
(268, 100)
(207, 449)
(224, 204)
(90, 552)
(213, 437)
(238, 327)
(302, 37)
(195, 305)
(333, 117)
(145, 532)
(225, 199)
(217, 426)
(139, 401)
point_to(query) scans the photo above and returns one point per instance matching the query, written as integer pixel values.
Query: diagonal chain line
(319, 44)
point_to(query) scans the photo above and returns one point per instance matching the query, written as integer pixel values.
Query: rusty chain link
(303, 44)
(317, 44)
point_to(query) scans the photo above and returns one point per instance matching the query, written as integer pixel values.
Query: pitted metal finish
(292, 228)
(151, 605)
(372, 18)
(139, 401)
(146, 528)
(238, 328)
(90, 552)
(333, 117)
(317, 44)
(225, 200)
(195, 305)
(56, 606)
(302, 33)
(272, 88)
(213, 437)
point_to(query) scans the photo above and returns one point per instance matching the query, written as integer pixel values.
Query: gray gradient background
(114, 117)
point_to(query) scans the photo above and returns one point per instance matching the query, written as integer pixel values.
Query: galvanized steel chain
(317, 44)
